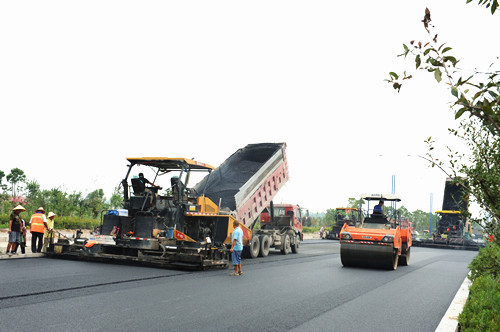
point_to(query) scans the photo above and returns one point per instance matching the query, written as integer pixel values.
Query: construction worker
(15, 225)
(48, 235)
(38, 223)
(237, 248)
(379, 208)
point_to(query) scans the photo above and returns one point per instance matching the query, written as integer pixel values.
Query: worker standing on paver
(38, 224)
(48, 235)
(15, 224)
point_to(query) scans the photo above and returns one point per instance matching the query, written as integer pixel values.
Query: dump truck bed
(247, 181)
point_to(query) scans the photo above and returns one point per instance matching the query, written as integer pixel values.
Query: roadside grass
(482, 309)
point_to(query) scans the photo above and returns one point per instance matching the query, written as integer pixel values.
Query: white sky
(85, 84)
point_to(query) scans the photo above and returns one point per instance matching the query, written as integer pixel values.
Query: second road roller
(378, 241)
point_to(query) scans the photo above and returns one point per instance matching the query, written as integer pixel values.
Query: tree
(15, 177)
(2, 186)
(95, 202)
(478, 97)
(116, 200)
(355, 203)
(330, 217)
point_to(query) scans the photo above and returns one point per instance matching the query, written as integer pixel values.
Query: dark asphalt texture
(309, 291)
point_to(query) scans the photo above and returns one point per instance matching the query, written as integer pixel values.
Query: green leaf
(460, 112)
(454, 91)
(417, 61)
(493, 94)
(427, 51)
(437, 75)
(451, 59)
(446, 49)
(394, 75)
(494, 7)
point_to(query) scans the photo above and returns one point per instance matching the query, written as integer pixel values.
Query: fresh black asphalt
(308, 291)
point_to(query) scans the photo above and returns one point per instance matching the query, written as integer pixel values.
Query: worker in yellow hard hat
(48, 235)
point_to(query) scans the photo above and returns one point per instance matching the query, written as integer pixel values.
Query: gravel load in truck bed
(225, 182)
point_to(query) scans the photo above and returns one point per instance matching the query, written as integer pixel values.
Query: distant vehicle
(352, 215)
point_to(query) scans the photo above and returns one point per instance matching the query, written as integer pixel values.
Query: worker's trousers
(34, 237)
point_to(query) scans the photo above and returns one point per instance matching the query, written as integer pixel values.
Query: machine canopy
(380, 197)
(167, 164)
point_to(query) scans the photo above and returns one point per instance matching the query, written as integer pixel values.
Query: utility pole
(430, 218)
(393, 191)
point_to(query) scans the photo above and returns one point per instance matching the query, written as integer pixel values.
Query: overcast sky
(85, 84)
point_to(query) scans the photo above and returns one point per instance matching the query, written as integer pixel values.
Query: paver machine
(378, 241)
(453, 227)
(344, 215)
(177, 228)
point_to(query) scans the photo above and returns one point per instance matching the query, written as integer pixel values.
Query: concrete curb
(449, 322)
(19, 256)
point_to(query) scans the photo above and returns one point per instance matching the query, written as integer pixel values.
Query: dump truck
(280, 229)
(184, 227)
(343, 215)
(244, 185)
(378, 240)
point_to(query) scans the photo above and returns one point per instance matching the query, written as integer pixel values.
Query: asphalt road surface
(308, 291)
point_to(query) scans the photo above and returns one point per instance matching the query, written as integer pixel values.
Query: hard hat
(51, 214)
(19, 207)
(40, 209)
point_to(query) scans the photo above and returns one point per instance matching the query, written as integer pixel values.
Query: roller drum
(366, 255)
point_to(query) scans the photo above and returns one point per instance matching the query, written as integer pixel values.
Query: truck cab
(284, 215)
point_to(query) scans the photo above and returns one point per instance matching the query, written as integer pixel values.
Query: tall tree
(16, 177)
(2, 186)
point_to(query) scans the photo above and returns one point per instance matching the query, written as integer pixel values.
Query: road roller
(379, 240)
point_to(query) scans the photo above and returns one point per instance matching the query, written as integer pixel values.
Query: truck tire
(285, 244)
(296, 245)
(254, 247)
(264, 245)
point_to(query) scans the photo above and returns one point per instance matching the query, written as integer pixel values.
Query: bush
(311, 229)
(75, 223)
(60, 222)
(482, 310)
(486, 263)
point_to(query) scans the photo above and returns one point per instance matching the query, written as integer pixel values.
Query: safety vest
(37, 223)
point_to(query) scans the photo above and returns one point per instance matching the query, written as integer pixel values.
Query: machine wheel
(395, 258)
(295, 247)
(264, 245)
(285, 246)
(254, 247)
(404, 259)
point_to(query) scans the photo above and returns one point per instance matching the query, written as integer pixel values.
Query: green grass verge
(60, 222)
(482, 309)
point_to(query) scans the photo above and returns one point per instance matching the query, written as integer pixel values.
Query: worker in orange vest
(38, 224)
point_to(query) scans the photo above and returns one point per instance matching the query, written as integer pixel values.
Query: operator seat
(178, 189)
(138, 186)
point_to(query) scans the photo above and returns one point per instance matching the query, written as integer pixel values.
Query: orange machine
(377, 241)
